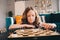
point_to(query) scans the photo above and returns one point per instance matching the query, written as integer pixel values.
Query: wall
(54, 5)
(3, 8)
(59, 6)
(29, 3)
(10, 6)
(32, 3)
(19, 7)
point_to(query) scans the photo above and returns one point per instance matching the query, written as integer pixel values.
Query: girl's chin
(31, 22)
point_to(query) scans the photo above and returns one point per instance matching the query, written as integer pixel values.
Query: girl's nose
(30, 17)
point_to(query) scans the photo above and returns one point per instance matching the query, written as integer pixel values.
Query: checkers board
(32, 33)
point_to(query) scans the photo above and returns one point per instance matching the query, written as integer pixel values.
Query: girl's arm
(15, 26)
(47, 25)
(21, 26)
(29, 26)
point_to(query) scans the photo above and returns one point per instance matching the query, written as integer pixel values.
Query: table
(28, 33)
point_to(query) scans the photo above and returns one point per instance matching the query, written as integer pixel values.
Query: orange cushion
(18, 19)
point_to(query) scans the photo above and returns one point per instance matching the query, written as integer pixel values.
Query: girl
(31, 19)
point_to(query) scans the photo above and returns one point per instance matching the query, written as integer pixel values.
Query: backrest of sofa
(55, 18)
(51, 18)
(46, 17)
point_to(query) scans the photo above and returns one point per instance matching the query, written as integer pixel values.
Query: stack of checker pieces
(33, 33)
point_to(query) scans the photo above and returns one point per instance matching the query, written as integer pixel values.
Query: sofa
(49, 18)
(13, 20)
(52, 18)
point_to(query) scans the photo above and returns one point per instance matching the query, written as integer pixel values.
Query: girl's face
(31, 16)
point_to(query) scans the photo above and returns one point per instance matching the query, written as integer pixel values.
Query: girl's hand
(52, 25)
(48, 25)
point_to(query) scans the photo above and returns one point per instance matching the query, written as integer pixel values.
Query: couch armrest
(9, 21)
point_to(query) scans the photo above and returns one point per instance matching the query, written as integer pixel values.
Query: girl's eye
(32, 15)
(28, 15)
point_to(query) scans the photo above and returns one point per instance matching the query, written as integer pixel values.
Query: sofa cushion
(18, 19)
